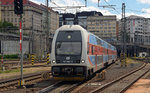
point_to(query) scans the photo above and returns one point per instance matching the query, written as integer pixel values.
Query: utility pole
(2, 58)
(18, 9)
(85, 3)
(32, 36)
(124, 32)
(31, 39)
(21, 52)
(47, 30)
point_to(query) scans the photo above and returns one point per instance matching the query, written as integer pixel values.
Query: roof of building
(89, 13)
(25, 2)
(68, 15)
(84, 13)
(11, 2)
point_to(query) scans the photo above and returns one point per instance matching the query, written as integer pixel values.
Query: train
(76, 53)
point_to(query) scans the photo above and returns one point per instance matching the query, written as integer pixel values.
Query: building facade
(79, 18)
(137, 29)
(82, 17)
(34, 23)
(103, 26)
(9, 44)
(66, 19)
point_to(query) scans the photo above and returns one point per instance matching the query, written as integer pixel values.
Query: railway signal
(18, 6)
(18, 9)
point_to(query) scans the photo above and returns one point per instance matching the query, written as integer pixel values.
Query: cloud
(37, 2)
(96, 1)
(147, 10)
(55, 3)
(144, 1)
(146, 15)
(66, 2)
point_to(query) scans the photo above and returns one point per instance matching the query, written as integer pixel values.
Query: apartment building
(137, 29)
(79, 18)
(34, 22)
(53, 20)
(66, 19)
(82, 17)
(103, 26)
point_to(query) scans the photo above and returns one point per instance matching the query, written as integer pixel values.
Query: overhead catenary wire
(112, 7)
(137, 11)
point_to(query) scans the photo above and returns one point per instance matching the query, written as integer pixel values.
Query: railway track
(13, 82)
(27, 64)
(59, 87)
(65, 87)
(12, 63)
(121, 84)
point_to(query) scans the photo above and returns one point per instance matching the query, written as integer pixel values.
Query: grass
(131, 61)
(10, 71)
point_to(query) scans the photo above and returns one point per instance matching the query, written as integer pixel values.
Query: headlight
(53, 61)
(82, 61)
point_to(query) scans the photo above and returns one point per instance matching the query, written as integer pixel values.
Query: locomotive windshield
(68, 48)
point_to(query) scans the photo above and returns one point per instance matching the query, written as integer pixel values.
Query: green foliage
(7, 27)
(13, 56)
(7, 24)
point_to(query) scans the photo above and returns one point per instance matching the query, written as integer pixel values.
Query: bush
(12, 56)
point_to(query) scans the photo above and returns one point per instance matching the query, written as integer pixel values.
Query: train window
(107, 51)
(93, 49)
(88, 48)
(68, 48)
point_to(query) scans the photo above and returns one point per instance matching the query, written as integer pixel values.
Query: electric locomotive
(76, 53)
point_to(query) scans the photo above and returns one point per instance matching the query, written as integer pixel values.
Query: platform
(141, 86)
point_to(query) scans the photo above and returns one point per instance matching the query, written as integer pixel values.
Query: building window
(8, 19)
(11, 13)
(11, 19)
(4, 13)
(7, 13)
(23, 19)
(15, 19)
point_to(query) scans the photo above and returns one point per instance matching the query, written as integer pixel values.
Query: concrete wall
(13, 47)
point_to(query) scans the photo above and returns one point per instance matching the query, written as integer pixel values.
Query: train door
(96, 53)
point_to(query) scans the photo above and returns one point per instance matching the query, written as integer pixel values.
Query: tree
(7, 27)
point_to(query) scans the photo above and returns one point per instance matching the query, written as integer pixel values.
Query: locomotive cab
(77, 54)
(68, 56)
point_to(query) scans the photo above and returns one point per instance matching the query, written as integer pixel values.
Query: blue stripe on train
(105, 58)
(92, 40)
(92, 59)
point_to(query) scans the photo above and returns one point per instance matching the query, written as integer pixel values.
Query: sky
(133, 7)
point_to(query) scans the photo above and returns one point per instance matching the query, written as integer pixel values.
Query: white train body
(77, 53)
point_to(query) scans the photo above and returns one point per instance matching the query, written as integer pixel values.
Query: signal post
(18, 9)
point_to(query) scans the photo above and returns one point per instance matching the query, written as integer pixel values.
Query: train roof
(71, 27)
(77, 28)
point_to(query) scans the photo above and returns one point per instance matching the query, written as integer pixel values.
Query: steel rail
(14, 80)
(120, 78)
